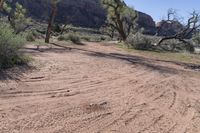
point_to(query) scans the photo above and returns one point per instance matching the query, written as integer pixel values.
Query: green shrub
(70, 37)
(62, 38)
(140, 42)
(74, 38)
(94, 38)
(103, 38)
(10, 44)
(57, 28)
(196, 39)
(36, 34)
(30, 37)
(175, 45)
(86, 38)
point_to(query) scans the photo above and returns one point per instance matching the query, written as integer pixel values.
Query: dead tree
(191, 26)
(171, 18)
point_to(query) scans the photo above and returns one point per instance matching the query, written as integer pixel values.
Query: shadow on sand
(151, 64)
(15, 73)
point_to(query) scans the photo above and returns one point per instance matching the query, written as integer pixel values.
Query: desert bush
(196, 39)
(36, 34)
(57, 28)
(177, 46)
(75, 38)
(86, 38)
(10, 44)
(61, 38)
(71, 28)
(140, 42)
(171, 45)
(103, 38)
(95, 38)
(30, 37)
(144, 42)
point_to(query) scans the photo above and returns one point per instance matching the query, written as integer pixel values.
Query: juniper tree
(16, 16)
(18, 19)
(120, 17)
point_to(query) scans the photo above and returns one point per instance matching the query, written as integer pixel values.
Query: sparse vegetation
(84, 34)
(30, 37)
(86, 38)
(144, 42)
(73, 37)
(140, 42)
(184, 57)
(196, 39)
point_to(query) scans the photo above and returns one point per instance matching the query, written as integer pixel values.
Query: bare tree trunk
(63, 29)
(111, 34)
(120, 26)
(51, 21)
(166, 38)
(121, 32)
(1, 5)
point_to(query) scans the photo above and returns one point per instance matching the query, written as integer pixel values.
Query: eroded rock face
(146, 22)
(165, 28)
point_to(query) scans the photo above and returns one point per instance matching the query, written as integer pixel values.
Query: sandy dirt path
(100, 89)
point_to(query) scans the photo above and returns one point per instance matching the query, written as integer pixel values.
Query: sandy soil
(99, 89)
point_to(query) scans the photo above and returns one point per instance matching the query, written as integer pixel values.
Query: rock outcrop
(146, 22)
(165, 28)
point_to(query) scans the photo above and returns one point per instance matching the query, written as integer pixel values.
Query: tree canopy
(120, 16)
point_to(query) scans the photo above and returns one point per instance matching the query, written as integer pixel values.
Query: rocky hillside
(85, 13)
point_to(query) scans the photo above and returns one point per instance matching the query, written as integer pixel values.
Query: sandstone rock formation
(146, 22)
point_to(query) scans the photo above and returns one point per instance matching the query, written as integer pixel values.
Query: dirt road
(99, 89)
